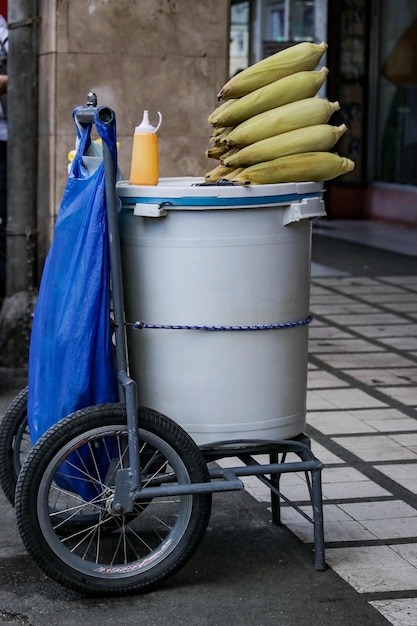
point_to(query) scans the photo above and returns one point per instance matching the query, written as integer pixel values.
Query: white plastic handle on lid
(308, 208)
(143, 209)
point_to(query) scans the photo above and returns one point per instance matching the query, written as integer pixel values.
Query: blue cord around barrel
(141, 325)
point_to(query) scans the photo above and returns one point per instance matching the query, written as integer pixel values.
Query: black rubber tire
(157, 539)
(15, 443)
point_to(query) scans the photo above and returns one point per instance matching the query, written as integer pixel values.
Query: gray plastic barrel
(233, 264)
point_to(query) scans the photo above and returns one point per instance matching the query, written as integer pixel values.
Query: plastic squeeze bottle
(144, 165)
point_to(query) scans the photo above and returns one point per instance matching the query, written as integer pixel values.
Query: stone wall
(160, 55)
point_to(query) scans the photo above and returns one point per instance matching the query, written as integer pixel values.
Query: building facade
(134, 56)
(156, 58)
(372, 58)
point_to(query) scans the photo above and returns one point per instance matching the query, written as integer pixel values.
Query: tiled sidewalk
(361, 401)
(364, 343)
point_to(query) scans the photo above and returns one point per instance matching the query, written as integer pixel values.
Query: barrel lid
(187, 191)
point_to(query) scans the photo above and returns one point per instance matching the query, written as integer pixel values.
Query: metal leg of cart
(314, 485)
(270, 474)
(275, 499)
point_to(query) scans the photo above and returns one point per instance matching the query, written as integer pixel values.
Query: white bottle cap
(145, 126)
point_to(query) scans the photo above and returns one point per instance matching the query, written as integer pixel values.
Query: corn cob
(288, 89)
(300, 57)
(219, 138)
(220, 171)
(227, 153)
(299, 114)
(318, 138)
(231, 175)
(217, 151)
(220, 131)
(221, 109)
(302, 167)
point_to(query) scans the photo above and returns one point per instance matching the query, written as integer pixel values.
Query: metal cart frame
(128, 487)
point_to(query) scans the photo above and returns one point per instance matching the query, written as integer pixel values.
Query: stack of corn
(272, 127)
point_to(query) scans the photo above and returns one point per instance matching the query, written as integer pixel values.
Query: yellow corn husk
(300, 57)
(217, 151)
(220, 138)
(221, 110)
(302, 167)
(318, 138)
(231, 175)
(288, 89)
(216, 174)
(299, 114)
(219, 130)
(228, 152)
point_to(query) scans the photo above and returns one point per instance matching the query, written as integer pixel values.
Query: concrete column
(22, 145)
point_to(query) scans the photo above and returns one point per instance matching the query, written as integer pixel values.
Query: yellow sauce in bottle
(144, 168)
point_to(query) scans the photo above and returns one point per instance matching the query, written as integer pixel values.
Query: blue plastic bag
(71, 356)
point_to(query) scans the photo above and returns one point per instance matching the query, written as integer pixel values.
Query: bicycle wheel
(15, 443)
(116, 554)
